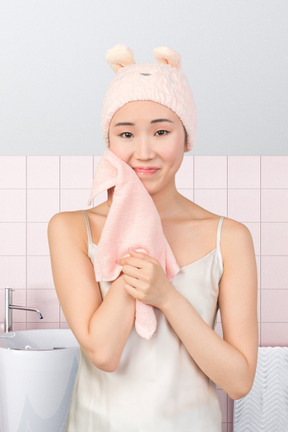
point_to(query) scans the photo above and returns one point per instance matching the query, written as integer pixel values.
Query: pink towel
(132, 222)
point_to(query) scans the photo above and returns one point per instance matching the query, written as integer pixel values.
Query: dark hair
(186, 136)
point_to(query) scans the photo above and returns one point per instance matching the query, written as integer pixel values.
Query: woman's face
(148, 135)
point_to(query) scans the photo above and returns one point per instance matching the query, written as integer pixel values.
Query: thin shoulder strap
(90, 242)
(219, 254)
(219, 230)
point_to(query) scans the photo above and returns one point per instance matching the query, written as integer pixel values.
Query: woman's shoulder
(72, 224)
(67, 226)
(236, 243)
(234, 231)
(232, 227)
(65, 219)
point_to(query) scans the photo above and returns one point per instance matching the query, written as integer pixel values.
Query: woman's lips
(146, 171)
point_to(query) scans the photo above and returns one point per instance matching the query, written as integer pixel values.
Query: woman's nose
(143, 149)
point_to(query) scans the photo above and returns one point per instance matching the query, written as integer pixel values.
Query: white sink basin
(38, 340)
(37, 374)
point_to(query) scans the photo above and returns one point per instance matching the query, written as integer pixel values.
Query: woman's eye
(161, 132)
(126, 134)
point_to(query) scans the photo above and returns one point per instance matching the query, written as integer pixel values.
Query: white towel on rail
(265, 408)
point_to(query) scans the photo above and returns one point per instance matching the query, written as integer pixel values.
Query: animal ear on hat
(119, 56)
(168, 56)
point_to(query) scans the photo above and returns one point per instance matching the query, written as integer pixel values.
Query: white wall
(53, 74)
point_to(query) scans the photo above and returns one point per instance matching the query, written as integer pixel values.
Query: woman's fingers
(134, 282)
(132, 292)
(136, 259)
(134, 272)
(135, 262)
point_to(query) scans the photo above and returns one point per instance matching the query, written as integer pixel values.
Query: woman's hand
(145, 279)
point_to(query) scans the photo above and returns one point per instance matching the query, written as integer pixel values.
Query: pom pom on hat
(163, 82)
(119, 56)
(167, 56)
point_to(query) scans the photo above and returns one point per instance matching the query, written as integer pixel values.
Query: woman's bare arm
(101, 327)
(229, 362)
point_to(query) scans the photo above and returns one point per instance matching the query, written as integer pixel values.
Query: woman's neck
(166, 202)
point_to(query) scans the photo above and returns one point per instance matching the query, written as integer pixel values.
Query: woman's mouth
(145, 171)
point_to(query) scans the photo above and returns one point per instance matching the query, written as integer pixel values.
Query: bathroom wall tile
(13, 205)
(75, 199)
(274, 238)
(210, 172)
(223, 400)
(42, 204)
(244, 172)
(19, 326)
(259, 293)
(244, 204)
(64, 325)
(274, 171)
(43, 172)
(258, 264)
(76, 172)
(274, 334)
(12, 172)
(62, 317)
(47, 302)
(37, 240)
(184, 177)
(39, 273)
(274, 305)
(2, 303)
(274, 205)
(13, 238)
(213, 200)
(19, 299)
(13, 272)
(274, 273)
(259, 332)
(41, 325)
(96, 160)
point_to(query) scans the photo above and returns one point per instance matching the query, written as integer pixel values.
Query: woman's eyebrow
(124, 124)
(161, 120)
(152, 121)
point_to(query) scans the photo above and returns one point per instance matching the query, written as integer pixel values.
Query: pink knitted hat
(163, 82)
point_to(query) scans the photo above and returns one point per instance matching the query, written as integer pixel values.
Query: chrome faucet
(9, 306)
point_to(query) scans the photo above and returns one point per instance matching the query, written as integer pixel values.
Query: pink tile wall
(250, 189)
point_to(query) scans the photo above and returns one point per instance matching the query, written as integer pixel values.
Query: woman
(167, 383)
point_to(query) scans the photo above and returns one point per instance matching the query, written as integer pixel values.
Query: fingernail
(133, 250)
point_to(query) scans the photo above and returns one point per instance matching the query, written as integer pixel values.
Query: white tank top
(157, 386)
